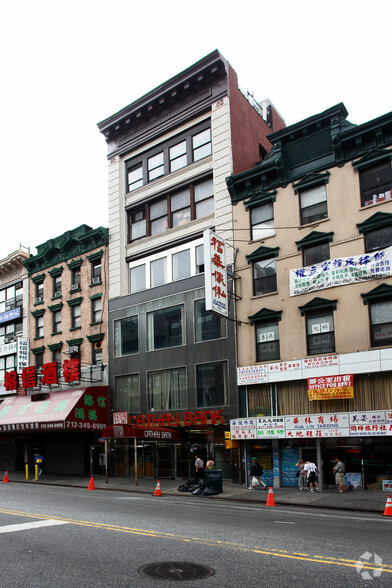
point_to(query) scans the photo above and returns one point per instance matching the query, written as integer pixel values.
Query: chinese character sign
(328, 387)
(341, 271)
(22, 354)
(215, 273)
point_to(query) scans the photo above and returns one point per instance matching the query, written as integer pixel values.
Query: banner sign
(366, 424)
(341, 271)
(329, 387)
(387, 485)
(243, 428)
(252, 374)
(215, 273)
(271, 428)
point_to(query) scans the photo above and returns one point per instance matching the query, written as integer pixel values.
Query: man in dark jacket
(257, 471)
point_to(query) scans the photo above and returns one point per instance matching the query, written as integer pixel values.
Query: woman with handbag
(301, 474)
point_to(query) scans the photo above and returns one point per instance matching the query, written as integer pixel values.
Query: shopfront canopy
(82, 409)
(139, 432)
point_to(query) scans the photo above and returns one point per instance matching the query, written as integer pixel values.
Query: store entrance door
(165, 461)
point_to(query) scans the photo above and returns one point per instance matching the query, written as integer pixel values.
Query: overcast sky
(65, 66)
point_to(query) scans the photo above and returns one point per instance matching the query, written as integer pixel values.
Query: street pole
(135, 458)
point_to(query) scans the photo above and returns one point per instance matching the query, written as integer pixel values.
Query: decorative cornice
(38, 350)
(265, 315)
(38, 313)
(75, 301)
(55, 307)
(56, 346)
(314, 238)
(263, 253)
(95, 338)
(95, 256)
(382, 292)
(75, 341)
(311, 180)
(38, 279)
(56, 271)
(260, 198)
(377, 221)
(318, 304)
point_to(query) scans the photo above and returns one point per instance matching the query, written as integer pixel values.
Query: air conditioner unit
(96, 280)
(9, 338)
(39, 299)
(73, 349)
(98, 345)
(10, 305)
(74, 287)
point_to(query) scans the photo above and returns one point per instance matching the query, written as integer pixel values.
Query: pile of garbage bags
(197, 488)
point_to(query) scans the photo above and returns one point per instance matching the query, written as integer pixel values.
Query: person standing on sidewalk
(339, 471)
(311, 474)
(257, 470)
(199, 468)
(302, 482)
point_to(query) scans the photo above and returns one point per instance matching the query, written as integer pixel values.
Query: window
(96, 271)
(96, 310)
(76, 316)
(11, 297)
(39, 292)
(39, 326)
(267, 341)
(376, 183)
(208, 325)
(56, 356)
(315, 254)
(56, 286)
(167, 389)
(57, 321)
(381, 323)
(96, 355)
(262, 221)
(172, 210)
(313, 204)
(75, 278)
(378, 239)
(320, 333)
(181, 264)
(158, 272)
(39, 360)
(165, 328)
(180, 151)
(264, 276)
(199, 259)
(177, 156)
(138, 278)
(201, 145)
(127, 393)
(126, 339)
(211, 382)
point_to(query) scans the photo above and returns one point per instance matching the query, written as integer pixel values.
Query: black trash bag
(198, 490)
(210, 492)
(183, 488)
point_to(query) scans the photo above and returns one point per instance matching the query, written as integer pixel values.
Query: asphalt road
(69, 537)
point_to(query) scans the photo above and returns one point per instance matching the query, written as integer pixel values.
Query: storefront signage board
(252, 374)
(366, 424)
(330, 387)
(271, 428)
(243, 428)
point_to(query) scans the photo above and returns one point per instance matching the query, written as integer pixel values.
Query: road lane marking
(207, 542)
(33, 525)
(284, 522)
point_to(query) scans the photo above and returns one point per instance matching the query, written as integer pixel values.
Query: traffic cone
(6, 478)
(388, 507)
(91, 485)
(158, 490)
(270, 499)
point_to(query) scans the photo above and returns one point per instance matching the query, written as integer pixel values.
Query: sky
(65, 66)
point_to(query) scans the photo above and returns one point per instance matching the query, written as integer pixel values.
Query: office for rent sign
(329, 387)
(341, 271)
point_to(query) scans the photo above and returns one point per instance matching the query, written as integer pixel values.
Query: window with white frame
(380, 323)
(262, 221)
(320, 332)
(264, 276)
(267, 341)
(96, 310)
(167, 389)
(161, 268)
(313, 204)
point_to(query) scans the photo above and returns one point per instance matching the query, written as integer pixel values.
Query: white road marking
(33, 525)
(284, 522)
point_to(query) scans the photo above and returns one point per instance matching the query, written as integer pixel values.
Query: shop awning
(139, 432)
(82, 409)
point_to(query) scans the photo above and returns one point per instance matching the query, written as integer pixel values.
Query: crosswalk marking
(33, 525)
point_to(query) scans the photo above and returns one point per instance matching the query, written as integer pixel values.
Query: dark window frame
(265, 355)
(312, 345)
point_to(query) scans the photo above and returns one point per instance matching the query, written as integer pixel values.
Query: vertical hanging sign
(215, 273)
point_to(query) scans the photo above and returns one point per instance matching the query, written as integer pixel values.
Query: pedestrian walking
(311, 475)
(339, 470)
(302, 475)
(199, 468)
(256, 471)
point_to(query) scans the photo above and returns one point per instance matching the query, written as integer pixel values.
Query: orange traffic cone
(91, 485)
(270, 499)
(388, 507)
(158, 490)
(6, 478)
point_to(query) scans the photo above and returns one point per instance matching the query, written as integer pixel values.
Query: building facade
(57, 402)
(315, 300)
(173, 361)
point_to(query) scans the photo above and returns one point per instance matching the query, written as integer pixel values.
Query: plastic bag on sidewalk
(255, 482)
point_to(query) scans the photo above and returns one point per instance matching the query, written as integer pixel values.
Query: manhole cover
(176, 570)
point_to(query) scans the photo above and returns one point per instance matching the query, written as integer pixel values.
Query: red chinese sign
(328, 387)
(49, 375)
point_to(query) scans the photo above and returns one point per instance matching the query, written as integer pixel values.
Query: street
(54, 536)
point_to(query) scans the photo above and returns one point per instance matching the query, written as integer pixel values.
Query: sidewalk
(355, 500)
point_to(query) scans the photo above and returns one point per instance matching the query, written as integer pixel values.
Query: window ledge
(38, 338)
(54, 334)
(96, 323)
(75, 328)
(314, 223)
(261, 239)
(257, 296)
(374, 204)
(73, 290)
(96, 284)
(56, 297)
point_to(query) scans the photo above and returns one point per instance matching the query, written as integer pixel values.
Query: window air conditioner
(8, 338)
(39, 299)
(73, 349)
(96, 280)
(74, 287)
(10, 305)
